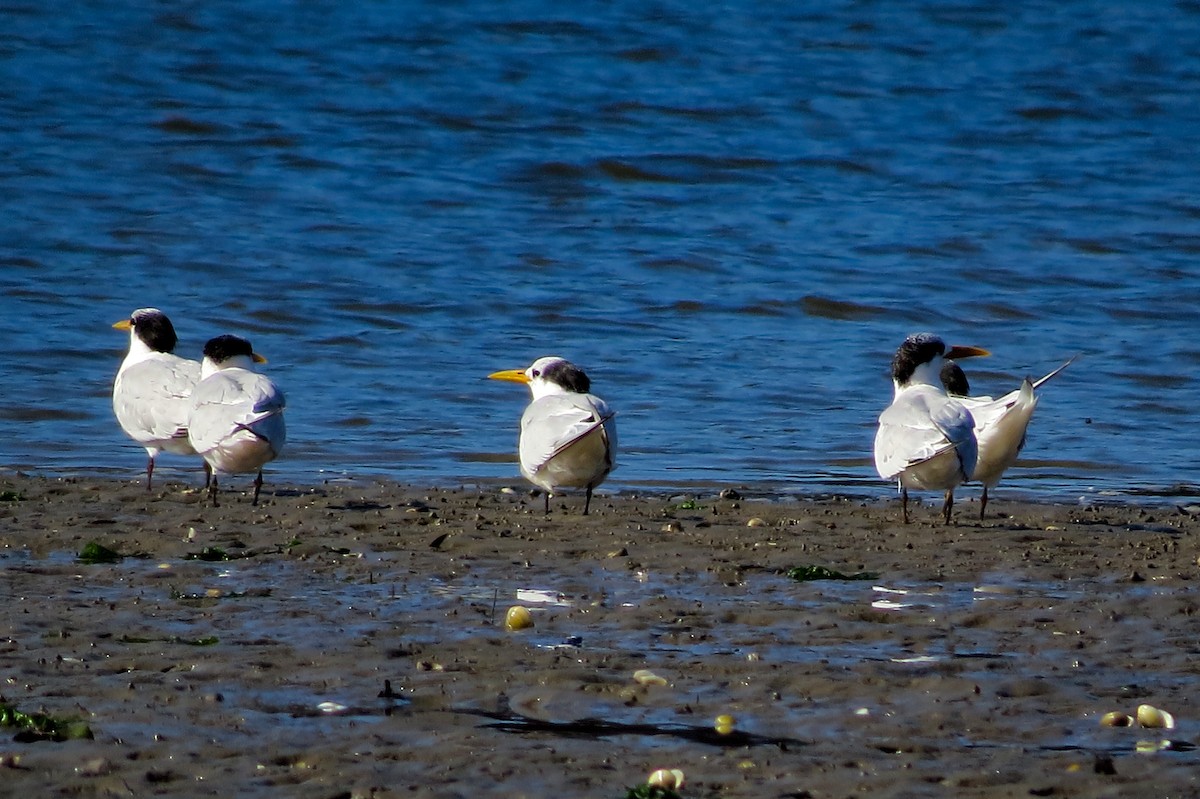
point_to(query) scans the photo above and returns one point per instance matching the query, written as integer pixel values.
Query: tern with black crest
(568, 435)
(153, 389)
(236, 419)
(926, 439)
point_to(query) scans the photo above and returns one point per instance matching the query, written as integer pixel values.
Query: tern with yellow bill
(568, 436)
(926, 439)
(153, 388)
(236, 419)
(1001, 423)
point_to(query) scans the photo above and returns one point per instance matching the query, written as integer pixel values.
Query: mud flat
(349, 641)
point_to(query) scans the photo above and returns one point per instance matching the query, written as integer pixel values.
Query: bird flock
(934, 436)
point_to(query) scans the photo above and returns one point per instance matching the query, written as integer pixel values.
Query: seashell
(1150, 716)
(756, 522)
(672, 527)
(1115, 718)
(647, 677)
(518, 618)
(669, 779)
(724, 724)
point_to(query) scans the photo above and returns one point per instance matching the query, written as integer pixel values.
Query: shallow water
(729, 215)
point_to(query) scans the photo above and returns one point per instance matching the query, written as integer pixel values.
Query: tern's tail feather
(1038, 383)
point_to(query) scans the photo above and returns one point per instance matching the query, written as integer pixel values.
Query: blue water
(730, 214)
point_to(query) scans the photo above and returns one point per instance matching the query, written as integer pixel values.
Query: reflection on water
(729, 216)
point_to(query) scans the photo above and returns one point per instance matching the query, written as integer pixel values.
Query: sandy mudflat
(976, 662)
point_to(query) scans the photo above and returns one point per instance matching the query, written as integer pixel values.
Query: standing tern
(568, 436)
(153, 389)
(236, 419)
(1000, 423)
(925, 440)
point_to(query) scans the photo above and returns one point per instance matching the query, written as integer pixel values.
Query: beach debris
(518, 618)
(647, 677)
(11, 496)
(809, 573)
(756, 522)
(94, 552)
(730, 493)
(1115, 718)
(669, 778)
(542, 597)
(1151, 717)
(672, 527)
(41, 727)
(724, 724)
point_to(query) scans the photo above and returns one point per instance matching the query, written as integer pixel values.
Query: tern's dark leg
(149, 471)
(257, 487)
(904, 502)
(587, 503)
(208, 474)
(546, 497)
(983, 503)
(948, 506)
(212, 491)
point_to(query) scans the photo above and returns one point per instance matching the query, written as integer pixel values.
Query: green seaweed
(40, 727)
(808, 573)
(11, 496)
(648, 791)
(94, 552)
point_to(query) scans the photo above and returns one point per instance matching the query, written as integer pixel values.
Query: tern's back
(237, 420)
(567, 441)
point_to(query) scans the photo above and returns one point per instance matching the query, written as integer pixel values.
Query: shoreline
(349, 641)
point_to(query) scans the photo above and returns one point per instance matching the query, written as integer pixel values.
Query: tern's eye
(536, 373)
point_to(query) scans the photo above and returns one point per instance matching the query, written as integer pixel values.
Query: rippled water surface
(730, 215)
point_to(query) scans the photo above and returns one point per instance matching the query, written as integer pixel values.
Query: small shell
(672, 527)
(647, 677)
(518, 618)
(670, 779)
(1150, 716)
(1115, 718)
(724, 724)
(756, 522)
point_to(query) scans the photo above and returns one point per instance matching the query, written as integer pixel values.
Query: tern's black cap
(917, 349)
(569, 376)
(154, 329)
(222, 348)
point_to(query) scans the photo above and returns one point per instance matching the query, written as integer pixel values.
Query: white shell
(670, 779)
(1150, 716)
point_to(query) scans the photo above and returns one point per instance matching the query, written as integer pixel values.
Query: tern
(568, 435)
(926, 440)
(1000, 423)
(153, 389)
(236, 419)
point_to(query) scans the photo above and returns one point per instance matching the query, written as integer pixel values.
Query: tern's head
(551, 375)
(954, 380)
(919, 359)
(228, 352)
(149, 329)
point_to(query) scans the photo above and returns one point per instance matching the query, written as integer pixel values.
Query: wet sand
(349, 641)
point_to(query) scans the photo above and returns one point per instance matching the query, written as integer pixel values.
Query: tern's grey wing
(552, 424)
(920, 424)
(151, 398)
(230, 400)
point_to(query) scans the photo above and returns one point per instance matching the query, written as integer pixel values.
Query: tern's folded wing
(151, 398)
(228, 401)
(553, 424)
(918, 426)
